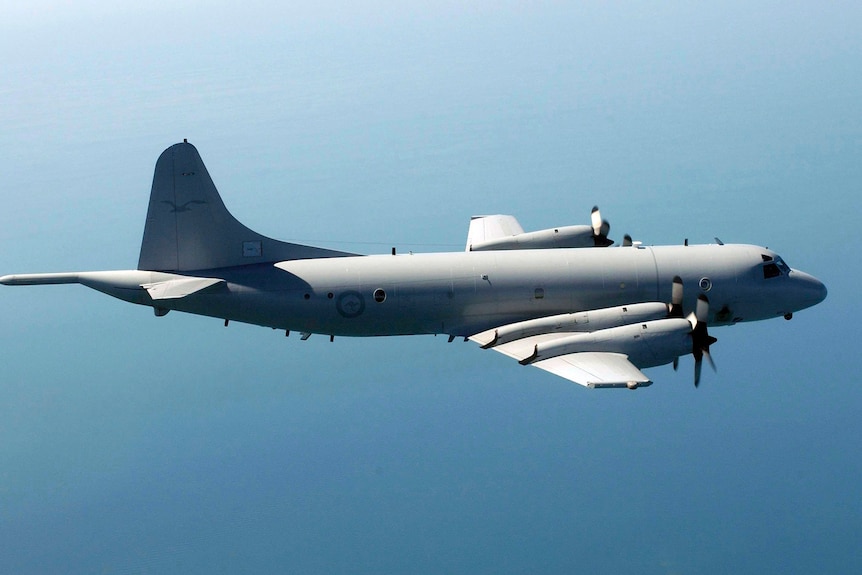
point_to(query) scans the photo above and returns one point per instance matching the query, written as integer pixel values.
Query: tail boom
(135, 286)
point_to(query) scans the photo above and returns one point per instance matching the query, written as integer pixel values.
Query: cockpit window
(771, 271)
(774, 267)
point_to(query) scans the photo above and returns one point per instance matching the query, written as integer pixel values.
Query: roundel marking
(350, 304)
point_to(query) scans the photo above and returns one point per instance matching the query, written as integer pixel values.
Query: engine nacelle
(647, 344)
(584, 321)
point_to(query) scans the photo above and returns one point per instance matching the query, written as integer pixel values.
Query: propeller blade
(702, 310)
(709, 359)
(596, 221)
(700, 338)
(676, 297)
(675, 363)
(698, 367)
(601, 228)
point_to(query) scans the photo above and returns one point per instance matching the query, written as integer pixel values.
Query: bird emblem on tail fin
(183, 207)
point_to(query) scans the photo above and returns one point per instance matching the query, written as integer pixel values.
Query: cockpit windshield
(774, 267)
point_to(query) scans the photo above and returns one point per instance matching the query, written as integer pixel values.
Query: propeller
(700, 339)
(601, 228)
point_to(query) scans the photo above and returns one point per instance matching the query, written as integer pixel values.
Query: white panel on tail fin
(484, 228)
(189, 228)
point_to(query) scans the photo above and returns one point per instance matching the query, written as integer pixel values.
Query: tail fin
(189, 228)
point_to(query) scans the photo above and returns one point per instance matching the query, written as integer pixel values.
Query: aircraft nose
(810, 290)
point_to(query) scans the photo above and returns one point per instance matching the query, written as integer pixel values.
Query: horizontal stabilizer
(178, 288)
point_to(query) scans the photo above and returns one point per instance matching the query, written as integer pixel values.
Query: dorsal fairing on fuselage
(503, 232)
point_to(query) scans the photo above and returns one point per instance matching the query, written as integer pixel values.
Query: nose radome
(821, 291)
(812, 290)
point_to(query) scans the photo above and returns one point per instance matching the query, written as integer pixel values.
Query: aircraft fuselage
(463, 293)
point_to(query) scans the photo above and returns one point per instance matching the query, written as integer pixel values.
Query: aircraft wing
(595, 369)
(490, 228)
(588, 368)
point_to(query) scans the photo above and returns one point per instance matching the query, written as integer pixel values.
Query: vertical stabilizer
(189, 228)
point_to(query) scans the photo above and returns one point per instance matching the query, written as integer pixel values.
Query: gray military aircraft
(548, 299)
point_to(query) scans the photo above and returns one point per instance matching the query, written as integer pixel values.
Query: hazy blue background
(135, 444)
